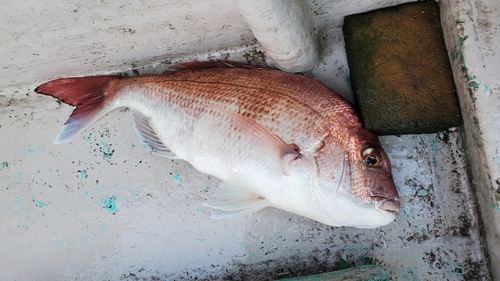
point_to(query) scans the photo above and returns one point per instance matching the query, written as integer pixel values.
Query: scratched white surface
(101, 207)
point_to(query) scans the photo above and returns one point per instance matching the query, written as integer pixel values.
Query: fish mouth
(388, 205)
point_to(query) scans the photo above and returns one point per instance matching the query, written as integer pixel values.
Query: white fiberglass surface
(103, 207)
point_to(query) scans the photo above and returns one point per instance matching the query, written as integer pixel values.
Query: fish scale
(274, 138)
(245, 102)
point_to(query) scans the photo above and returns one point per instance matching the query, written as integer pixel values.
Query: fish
(273, 138)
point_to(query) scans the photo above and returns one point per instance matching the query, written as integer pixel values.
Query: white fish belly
(207, 139)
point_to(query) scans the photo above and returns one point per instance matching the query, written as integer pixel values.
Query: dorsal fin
(209, 64)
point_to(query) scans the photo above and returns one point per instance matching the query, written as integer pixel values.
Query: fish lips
(388, 207)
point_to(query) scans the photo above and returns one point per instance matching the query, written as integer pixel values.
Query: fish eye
(372, 157)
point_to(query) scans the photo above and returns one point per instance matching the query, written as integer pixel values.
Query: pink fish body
(273, 138)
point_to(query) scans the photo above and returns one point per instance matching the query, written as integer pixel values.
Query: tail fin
(86, 93)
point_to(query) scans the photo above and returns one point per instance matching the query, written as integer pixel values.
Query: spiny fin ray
(209, 64)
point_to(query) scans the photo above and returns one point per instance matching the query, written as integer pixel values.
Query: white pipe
(285, 31)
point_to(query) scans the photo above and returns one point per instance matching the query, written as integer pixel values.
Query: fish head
(355, 183)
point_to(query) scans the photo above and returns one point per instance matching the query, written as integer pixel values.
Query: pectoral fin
(266, 145)
(234, 200)
(148, 136)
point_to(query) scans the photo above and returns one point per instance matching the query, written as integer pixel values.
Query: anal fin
(148, 136)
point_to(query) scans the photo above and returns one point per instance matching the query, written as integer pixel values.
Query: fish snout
(386, 198)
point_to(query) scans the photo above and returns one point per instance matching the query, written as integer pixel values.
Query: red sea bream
(273, 138)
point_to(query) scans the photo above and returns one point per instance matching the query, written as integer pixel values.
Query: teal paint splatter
(40, 203)
(405, 213)
(177, 176)
(58, 243)
(83, 174)
(422, 192)
(433, 151)
(104, 225)
(377, 278)
(106, 150)
(210, 57)
(348, 80)
(31, 150)
(5, 165)
(474, 85)
(456, 269)
(461, 41)
(110, 203)
(410, 273)
(17, 201)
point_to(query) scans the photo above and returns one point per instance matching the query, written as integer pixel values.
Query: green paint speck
(31, 150)
(177, 176)
(110, 203)
(5, 165)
